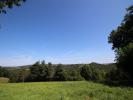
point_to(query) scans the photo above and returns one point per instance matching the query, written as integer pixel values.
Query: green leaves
(9, 4)
(123, 35)
(122, 42)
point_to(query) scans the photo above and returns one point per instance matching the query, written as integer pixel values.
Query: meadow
(78, 90)
(4, 80)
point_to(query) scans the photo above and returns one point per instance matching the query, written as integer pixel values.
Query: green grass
(80, 90)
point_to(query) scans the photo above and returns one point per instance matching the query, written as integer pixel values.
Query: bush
(93, 74)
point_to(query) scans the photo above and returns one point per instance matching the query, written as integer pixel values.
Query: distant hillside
(105, 67)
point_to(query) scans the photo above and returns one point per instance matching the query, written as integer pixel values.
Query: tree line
(122, 43)
(40, 71)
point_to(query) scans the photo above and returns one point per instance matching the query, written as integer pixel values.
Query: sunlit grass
(80, 90)
(4, 80)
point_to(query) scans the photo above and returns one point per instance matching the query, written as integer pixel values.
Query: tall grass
(4, 80)
(80, 90)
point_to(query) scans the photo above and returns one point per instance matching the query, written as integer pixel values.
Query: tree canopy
(9, 3)
(122, 43)
(123, 35)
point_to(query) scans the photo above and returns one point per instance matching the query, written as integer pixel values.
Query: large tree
(39, 71)
(60, 73)
(9, 3)
(122, 43)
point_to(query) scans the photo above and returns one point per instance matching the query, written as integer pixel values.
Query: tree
(74, 75)
(3, 72)
(23, 74)
(34, 71)
(39, 71)
(123, 35)
(125, 59)
(87, 72)
(49, 71)
(91, 73)
(60, 73)
(43, 70)
(13, 75)
(122, 43)
(9, 4)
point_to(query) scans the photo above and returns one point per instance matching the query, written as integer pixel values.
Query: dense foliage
(3, 72)
(9, 4)
(122, 43)
(52, 72)
(91, 73)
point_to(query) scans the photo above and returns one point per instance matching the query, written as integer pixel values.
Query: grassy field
(81, 90)
(4, 80)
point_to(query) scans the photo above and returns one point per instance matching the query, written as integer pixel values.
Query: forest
(40, 72)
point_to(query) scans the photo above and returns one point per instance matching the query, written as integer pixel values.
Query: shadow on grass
(116, 83)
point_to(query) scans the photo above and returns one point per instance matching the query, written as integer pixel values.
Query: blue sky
(60, 31)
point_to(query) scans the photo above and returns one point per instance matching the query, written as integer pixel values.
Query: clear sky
(60, 31)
